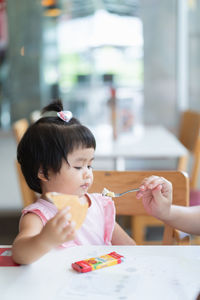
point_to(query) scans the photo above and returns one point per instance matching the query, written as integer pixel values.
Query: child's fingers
(69, 228)
(73, 223)
(71, 235)
(63, 213)
(63, 219)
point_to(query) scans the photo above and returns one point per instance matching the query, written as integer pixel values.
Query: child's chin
(83, 193)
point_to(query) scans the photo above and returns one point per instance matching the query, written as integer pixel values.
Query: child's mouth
(85, 186)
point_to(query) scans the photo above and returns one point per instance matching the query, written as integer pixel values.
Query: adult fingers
(151, 182)
(147, 189)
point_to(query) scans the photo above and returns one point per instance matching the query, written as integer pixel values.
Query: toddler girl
(56, 155)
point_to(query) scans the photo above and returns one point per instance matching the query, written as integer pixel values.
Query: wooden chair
(190, 138)
(19, 128)
(28, 196)
(128, 205)
(189, 135)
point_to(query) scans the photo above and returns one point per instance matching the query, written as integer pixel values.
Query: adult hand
(156, 193)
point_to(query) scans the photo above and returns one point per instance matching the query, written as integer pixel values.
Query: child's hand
(157, 196)
(59, 229)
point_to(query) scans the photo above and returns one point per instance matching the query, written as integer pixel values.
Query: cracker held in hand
(78, 207)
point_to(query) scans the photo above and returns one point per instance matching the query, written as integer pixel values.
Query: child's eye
(79, 168)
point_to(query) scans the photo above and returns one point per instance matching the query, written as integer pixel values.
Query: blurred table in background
(152, 142)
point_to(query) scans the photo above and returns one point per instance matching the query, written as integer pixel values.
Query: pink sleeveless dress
(98, 226)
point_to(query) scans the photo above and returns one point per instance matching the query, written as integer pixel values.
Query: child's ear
(41, 175)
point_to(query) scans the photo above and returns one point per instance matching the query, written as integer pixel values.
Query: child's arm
(157, 199)
(34, 240)
(120, 237)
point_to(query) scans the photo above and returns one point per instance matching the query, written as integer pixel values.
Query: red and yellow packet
(99, 262)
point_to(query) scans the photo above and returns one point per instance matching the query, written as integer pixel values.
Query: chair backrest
(28, 196)
(119, 181)
(189, 129)
(196, 166)
(189, 135)
(19, 128)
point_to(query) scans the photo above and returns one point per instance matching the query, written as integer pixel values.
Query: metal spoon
(114, 195)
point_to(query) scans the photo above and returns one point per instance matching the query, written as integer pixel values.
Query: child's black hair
(47, 142)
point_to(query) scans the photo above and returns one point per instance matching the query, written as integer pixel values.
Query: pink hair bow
(65, 115)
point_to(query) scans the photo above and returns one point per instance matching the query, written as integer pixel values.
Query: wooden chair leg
(181, 238)
(168, 235)
(137, 229)
(182, 163)
(139, 226)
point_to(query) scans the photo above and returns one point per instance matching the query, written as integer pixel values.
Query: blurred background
(141, 55)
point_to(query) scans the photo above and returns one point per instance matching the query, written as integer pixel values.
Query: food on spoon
(78, 206)
(108, 193)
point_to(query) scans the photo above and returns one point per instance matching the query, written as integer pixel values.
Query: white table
(148, 272)
(152, 142)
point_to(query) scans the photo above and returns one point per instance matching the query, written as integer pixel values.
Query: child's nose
(87, 172)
